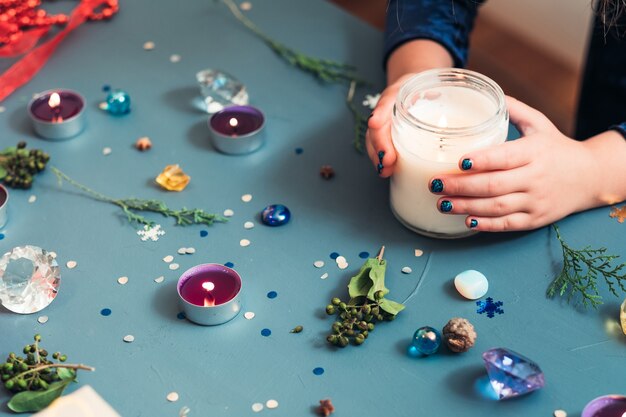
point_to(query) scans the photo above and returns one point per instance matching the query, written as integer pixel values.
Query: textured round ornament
(426, 341)
(275, 215)
(471, 284)
(459, 335)
(118, 103)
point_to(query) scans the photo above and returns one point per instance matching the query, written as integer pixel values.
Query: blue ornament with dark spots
(118, 103)
(275, 215)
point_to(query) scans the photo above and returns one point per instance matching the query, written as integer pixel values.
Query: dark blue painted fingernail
(381, 155)
(380, 167)
(473, 223)
(466, 164)
(445, 206)
(370, 116)
(436, 185)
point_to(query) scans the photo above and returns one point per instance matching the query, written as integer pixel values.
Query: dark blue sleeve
(448, 22)
(621, 128)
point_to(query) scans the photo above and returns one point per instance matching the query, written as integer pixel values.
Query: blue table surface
(223, 370)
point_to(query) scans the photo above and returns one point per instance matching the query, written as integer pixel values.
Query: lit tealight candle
(57, 114)
(209, 294)
(237, 129)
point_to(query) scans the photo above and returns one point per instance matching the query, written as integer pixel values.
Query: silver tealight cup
(57, 114)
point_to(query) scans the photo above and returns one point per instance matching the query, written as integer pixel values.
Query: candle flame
(443, 122)
(233, 122)
(209, 286)
(54, 101)
(209, 300)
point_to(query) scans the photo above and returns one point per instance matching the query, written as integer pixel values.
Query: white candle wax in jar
(439, 116)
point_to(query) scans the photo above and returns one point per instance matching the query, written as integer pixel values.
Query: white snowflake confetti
(172, 397)
(184, 411)
(324, 275)
(175, 58)
(106, 151)
(159, 280)
(229, 213)
(246, 198)
(151, 233)
(406, 270)
(271, 404)
(318, 264)
(129, 338)
(249, 315)
(148, 46)
(256, 407)
(174, 267)
(103, 106)
(122, 280)
(248, 225)
(182, 251)
(419, 252)
(71, 264)
(32, 198)
(371, 100)
(190, 251)
(168, 259)
(245, 6)
(244, 242)
(43, 319)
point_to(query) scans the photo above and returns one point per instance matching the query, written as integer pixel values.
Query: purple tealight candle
(57, 114)
(209, 293)
(237, 129)
(606, 406)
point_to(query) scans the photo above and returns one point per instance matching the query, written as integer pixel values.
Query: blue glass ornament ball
(275, 215)
(118, 102)
(426, 341)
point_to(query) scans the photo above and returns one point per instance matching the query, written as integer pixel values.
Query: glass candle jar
(440, 115)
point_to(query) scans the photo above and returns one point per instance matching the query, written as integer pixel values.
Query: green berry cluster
(32, 372)
(357, 319)
(19, 165)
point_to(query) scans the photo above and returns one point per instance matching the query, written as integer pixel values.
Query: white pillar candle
(439, 116)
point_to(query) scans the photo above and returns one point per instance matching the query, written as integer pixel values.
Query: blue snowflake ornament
(489, 307)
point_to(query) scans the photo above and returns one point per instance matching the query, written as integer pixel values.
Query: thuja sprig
(580, 273)
(133, 206)
(323, 69)
(360, 121)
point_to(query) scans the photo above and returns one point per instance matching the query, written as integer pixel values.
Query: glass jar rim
(449, 76)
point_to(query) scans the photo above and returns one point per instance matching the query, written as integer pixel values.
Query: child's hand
(524, 184)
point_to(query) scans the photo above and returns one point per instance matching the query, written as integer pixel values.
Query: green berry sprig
(19, 165)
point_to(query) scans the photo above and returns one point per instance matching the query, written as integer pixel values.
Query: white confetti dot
(53, 254)
(341, 260)
(148, 46)
(324, 275)
(71, 264)
(560, 413)
(246, 198)
(190, 251)
(42, 319)
(2, 109)
(406, 270)
(32, 198)
(129, 338)
(244, 242)
(343, 266)
(103, 106)
(182, 251)
(122, 280)
(271, 404)
(172, 397)
(159, 280)
(168, 258)
(174, 266)
(256, 407)
(248, 225)
(229, 213)
(245, 6)
(175, 58)
(419, 252)
(249, 315)
(106, 151)
(318, 264)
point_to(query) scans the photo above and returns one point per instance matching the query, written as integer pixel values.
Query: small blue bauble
(118, 102)
(426, 341)
(275, 215)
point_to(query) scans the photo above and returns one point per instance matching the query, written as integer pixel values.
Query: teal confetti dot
(364, 255)
(204, 233)
(272, 294)
(318, 371)
(181, 316)
(334, 255)
(229, 264)
(105, 312)
(1, 236)
(266, 332)
(299, 151)
(106, 88)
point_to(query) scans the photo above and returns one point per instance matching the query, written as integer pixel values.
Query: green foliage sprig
(580, 273)
(130, 206)
(366, 306)
(19, 165)
(360, 121)
(35, 380)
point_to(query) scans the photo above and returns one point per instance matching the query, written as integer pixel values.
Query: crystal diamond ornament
(220, 89)
(29, 279)
(512, 374)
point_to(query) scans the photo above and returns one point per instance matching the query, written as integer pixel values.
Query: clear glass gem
(275, 215)
(512, 374)
(118, 103)
(220, 89)
(426, 341)
(29, 279)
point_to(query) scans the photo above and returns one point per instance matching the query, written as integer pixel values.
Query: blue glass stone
(426, 340)
(105, 312)
(118, 102)
(512, 374)
(275, 215)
